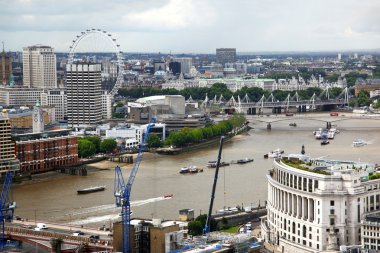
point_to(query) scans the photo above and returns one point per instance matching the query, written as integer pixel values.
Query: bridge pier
(269, 126)
(301, 108)
(251, 111)
(276, 110)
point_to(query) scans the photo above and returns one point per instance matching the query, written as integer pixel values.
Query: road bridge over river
(16, 231)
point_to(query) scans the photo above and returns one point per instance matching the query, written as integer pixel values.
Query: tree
(86, 148)
(363, 98)
(56, 244)
(153, 141)
(224, 224)
(108, 145)
(95, 140)
(195, 228)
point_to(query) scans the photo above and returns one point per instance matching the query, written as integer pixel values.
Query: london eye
(92, 42)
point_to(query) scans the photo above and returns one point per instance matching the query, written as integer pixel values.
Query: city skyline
(181, 26)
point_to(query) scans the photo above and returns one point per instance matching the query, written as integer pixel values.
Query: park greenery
(187, 136)
(91, 145)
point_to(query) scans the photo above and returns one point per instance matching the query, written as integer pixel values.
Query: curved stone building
(317, 205)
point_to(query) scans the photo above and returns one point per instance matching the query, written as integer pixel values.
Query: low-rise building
(149, 235)
(132, 135)
(370, 232)
(41, 152)
(22, 119)
(369, 84)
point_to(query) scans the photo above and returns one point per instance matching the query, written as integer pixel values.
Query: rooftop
(328, 167)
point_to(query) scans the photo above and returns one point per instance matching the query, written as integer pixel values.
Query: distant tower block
(38, 119)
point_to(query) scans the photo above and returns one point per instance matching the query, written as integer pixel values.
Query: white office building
(106, 105)
(39, 67)
(317, 205)
(58, 99)
(84, 95)
(186, 64)
(23, 96)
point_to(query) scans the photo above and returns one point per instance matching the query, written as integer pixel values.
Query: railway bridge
(292, 103)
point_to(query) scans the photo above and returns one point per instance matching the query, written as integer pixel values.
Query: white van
(42, 226)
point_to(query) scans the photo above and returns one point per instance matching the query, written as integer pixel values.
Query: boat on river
(245, 160)
(212, 164)
(91, 189)
(325, 142)
(195, 169)
(359, 143)
(274, 153)
(184, 170)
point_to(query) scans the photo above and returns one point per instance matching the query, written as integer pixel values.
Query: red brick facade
(45, 154)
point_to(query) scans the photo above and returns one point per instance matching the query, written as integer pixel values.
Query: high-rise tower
(84, 96)
(39, 67)
(225, 55)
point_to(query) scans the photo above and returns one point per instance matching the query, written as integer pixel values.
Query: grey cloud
(249, 25)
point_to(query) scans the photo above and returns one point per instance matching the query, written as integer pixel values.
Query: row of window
(296, 182)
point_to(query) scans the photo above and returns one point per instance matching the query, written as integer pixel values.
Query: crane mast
(122, 191)
(206, 229)
(7, 207)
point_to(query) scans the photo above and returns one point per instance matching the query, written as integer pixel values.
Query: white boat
(331, 133)
(359, 143)
(184, 170)
(274, 153)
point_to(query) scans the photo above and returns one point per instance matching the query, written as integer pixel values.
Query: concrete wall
(242, 217)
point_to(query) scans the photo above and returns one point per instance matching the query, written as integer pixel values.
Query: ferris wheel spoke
(99, 38)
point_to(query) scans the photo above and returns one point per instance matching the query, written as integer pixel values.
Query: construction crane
(7, 206)
(122, 191)
(206, 229)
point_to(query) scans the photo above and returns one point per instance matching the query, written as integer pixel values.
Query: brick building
(370, 84)
(40, 152)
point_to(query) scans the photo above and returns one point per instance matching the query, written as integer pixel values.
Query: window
(332, 221)
(332, 211)
(332, 202)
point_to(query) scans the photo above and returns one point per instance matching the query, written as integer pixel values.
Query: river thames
(56, 199)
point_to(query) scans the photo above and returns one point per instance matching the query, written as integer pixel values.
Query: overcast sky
(196, 26)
